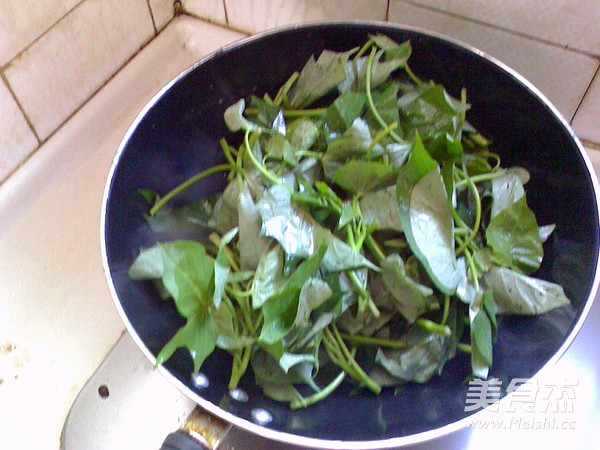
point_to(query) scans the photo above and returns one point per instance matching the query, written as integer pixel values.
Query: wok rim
(310, 442)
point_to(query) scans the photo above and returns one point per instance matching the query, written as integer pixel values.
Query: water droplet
(239, 395)
(261, 416)
(200, 380)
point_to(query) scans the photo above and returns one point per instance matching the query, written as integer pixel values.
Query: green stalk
(379, 136)
(480, 178)
(187, 183)
(433, 327)
(261, 168)
(283, 91)
(373, 341)
(372, 245)
(412, 75)
(477, 223)
(348, 363)
(370, 102)
(463, 347)
(446, 310)
(318, 396)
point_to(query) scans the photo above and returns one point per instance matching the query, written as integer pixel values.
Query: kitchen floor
(58, 321)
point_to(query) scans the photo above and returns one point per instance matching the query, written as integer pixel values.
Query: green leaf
(354, 143)
(506, 190)
(515, 293)
(426, 218)
(281, 309)
(302, 134)
(344, 110)
(188, 273)
(319, 77)
(250, 243)
(419, 362)
(235, 120)
(378, 207)
(386, 104)
(221, 269)
(269, 277)
(481, 344)
(410, 297)
(514, 236)
(198, 335)
(313, 294)
(148, 264)
(360, 177)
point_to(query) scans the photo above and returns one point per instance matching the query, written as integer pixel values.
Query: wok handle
(185, 440)
(201, 431)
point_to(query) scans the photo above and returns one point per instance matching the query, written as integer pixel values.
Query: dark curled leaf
(281, 309)
(375, 207)
(360, 177)
(515, 293)
(514, 236)
(410, 298)
(419, 362)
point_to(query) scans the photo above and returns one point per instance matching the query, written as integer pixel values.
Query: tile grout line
(41, 35)
(500, 28)
(41, 142)
(587, 89)
(20, 106)
(225, 10)
(152, 17)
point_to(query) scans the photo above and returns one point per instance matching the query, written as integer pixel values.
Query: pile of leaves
(367, 232)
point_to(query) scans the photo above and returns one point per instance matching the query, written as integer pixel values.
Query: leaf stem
(480, 178)
(261, 168)
(187, 183)
(372, 245)
(446, 310)
(477, 223)
(370, 101)
(374, 341)
(379, 136)
(430, 325)
(412, 75)
(318, 396)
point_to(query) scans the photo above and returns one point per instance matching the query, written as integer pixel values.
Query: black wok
(177, 135)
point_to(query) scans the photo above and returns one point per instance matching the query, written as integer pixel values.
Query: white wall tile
(561, 75)
(22, 21)
(259, 15)
(16, 138)
(569, 23)
(587, 120)
(55, 75)
(162, 12)
(213, 10)
(201, 37)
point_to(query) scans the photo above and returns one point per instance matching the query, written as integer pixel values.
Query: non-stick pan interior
(178, 135)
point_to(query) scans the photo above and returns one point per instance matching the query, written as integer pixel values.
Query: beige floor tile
(16, 138)
(22, 21)
(587, 119)
(55, 75)
(259, 15)
(546, 66)
(568, 23)
(213, 10)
